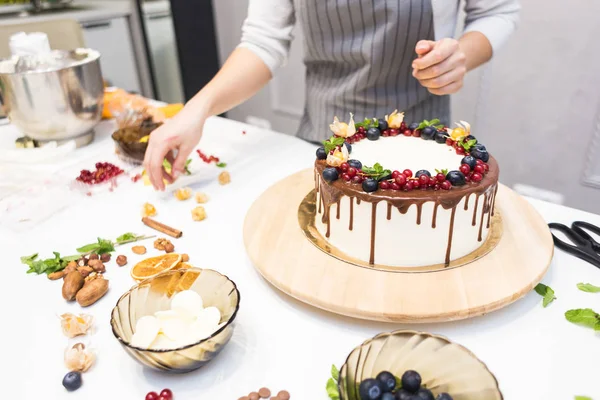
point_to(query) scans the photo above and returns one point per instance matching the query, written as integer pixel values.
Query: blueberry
(388, 379)
(443, 396)
(428, 133)
(373, 133)
(422, 172)
(369, 185)
(411, 380)
(440, 137)
(330, 174)
(456, 178)
(321, 153)
(370, 389)
(483, 155)
(413, 126)
(402, 394)
(348, 146)
(383, 125)
(355, 164)
(478, 146)
(72, 380)
(388, 396)
(469, 160)
(425, 394)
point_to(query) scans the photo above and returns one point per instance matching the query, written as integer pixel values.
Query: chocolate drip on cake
(373, 222)
(419, 208)
(357, 201)
(494, 202)
(389, 211)
(483, 209)
(337, 214)
(433, 220)
(450, 234)
(351, 212)
(474, 221)
(467, 201)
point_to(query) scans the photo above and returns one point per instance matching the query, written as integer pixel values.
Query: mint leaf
(332, 143)
(367, 123)
(29, 259)
(546, 292)
(186, 167)
(125, 236)
(335, 373)
(548, 298)
(442, 171)
(221, 165)
(332, 389)
(88, 248)
(376, 171)
(582, 398)
(588, 287)
(105, 246)
(584, 316)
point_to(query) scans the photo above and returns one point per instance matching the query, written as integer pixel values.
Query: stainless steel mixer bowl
(57, 103)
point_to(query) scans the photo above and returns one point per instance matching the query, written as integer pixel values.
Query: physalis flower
(395, 119)
(462, 130)
(340, 155)
(78, 358)
(342, 129)
(75, 325)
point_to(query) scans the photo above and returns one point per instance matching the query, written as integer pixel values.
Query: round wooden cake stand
(287, 259)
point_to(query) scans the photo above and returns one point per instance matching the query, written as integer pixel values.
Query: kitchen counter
(278, 342)
(81, 11)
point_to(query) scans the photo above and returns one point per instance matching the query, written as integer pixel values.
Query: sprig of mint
(376, 171)
(584, 316)
(368, 123)
(442, 171)
(546, 292)
(186, 168)
(468, 144)
(588, 287)
(332, 384)
(332, 143)
(434, 122)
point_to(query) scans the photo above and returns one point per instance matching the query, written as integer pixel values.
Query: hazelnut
(83, 261)
(97, 265)
(93, 256)
(105, 257)
(121, 260)
(137, 250)
(185, 257)
(169, 248)
(72, 264)
(85, 271)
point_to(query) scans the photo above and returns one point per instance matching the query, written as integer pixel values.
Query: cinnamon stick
(162, 228)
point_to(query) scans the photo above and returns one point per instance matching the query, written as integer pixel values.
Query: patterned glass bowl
(444, 366)
(154, 294)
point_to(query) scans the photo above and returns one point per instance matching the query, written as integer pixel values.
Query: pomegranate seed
(479, 168)
(384, 185)
(352, 172)
(401, 180)
(424, 179)
(346, 177)
(395, 186)
(446, 185)
(465, 169)
(344, 167)
(477, 177)
(407, 173)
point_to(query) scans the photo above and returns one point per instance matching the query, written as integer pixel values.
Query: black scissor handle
(583, 248)
(580, 228)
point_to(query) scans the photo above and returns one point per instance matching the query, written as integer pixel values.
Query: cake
(403, 195)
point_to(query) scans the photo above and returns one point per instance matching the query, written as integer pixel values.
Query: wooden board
(287, 259)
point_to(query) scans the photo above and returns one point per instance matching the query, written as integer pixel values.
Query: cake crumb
(198, 213)
(201, 198)
(224, 178)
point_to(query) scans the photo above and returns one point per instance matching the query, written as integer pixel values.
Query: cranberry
(450, 142)
(440, 177)
(394, 132)
(351, 172)
(416, 184)
(424, 179)
(416, 133)
(401, 180)
(152, 396)
(395, 174)
(344, 167)
(486, 167)
(408, 186)
(346, 177)
(479, 169)
(477, 177)
(167, 394)
(436, 186)
(446, 185)
(384, 185)
(357, 179)
(395, 186)
(460, 150)
(465, 169)
(407, 173)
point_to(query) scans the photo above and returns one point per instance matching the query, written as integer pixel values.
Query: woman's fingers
(441, 51)
(155, 166)
(181, 159)
(455, 60)
(448, 89)
(445, 79)
(423, 47)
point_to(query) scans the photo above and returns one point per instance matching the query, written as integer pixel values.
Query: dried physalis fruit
(148, 210)
(137, 250)
(183, 193)
(198, 213)
(224, 178)
(78, 358)
(74, 325)
(201, 198)
(121, 260)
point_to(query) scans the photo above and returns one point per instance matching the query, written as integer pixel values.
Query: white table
(279, 342)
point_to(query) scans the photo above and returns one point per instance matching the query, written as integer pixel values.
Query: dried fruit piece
(72, 284)
(198, 213)
(183, 193)
(97, 265)
(148, 210)
(74, 325)
(56, 275)
(121, 260)
(154, 265)
(201, 198)
(137, 250)
(78, 358)
(92, 291)
(224, 178)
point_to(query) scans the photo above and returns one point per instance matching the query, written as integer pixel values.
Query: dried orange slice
(153, 266)
(184, 265)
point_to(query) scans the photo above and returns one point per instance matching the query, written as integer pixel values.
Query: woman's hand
(441, 66)
(174, 141)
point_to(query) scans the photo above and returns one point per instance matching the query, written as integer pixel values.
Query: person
(365, 57)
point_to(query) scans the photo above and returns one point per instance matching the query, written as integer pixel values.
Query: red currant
(486, 167)
(395, 186)
(436, 186)
(163, 398)
(403, 126)
(408, 186)
(346, 177)
(440, 177)
(416, 133)
(384, 185)
(407, 173)
(460, 150)
(478, 162)
(424, 179)
(477, 177)
(401, 179)
(357, 179)
(446, 185)
(152, 396)
(351, 172)
(479, 169)
(468, 178)
(394, 132)
(465, 169)
(416, 184)
(395, 174)
(361, 129)
(432, 181)
(167, 394)
(386, 132)
(344, 167)
(407, 132)
(450, 142)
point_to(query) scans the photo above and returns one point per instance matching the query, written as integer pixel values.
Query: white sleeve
(496, 19)
(267, 31)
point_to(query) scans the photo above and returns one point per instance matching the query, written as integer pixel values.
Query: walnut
(183, 193)
(148, 210)
(97, 265)
(201, 198)
(198, 213)
(137, 250)
(92, 276)
(160, 243)
(121, 260)
(224, 178)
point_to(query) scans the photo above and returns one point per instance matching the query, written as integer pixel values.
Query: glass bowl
(154, 294)
(444, 366)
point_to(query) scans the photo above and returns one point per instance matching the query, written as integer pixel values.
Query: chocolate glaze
(467, 201)
(330, 193)
(351, 212)
(389, 211)
(337, 214)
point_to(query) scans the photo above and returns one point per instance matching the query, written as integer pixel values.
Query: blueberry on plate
(72, 380)
(422, 172)
(330, 174)
(348, 146)
(402, 394)
(370, 185)
(373, 133)
(370, 389)
(440, 137)
(355, 164)
(321, 153)
(456, 178)
(413, 126)
(482, 155)
(388, 396)
(425, 394)
(383, 125)
(411, 380)
(478, 146)
(471, 137)
(470, 161)
(443, 396)
(388, 379)
(428, 133)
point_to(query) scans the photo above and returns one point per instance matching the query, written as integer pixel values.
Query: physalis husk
(342, 129)
(78, 358)
(340, 155)
(75, 325)
(462, 130)
(395, 119)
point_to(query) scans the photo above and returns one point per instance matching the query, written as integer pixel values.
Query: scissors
(585, 246)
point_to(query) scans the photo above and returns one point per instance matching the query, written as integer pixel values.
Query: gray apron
(358, 57)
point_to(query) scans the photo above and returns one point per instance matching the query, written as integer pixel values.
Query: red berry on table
(450, 142)
(424, 179)
(357, 179)
(436, 186)
(440, 177)
(394, 132)
(351, 172)
(416, 184)
(167, 394)
(152, 396)
(408, 186)
(407, 173)
(416, 133)
(407, 132)
(384, 185)
(446, 185)
(395, 186)
(346, 177)
(477, 177)
(478, 161)
(344, 166)
(465, 169)
(486, 167)
(460, 150)
(401, 179)
(479, 169)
